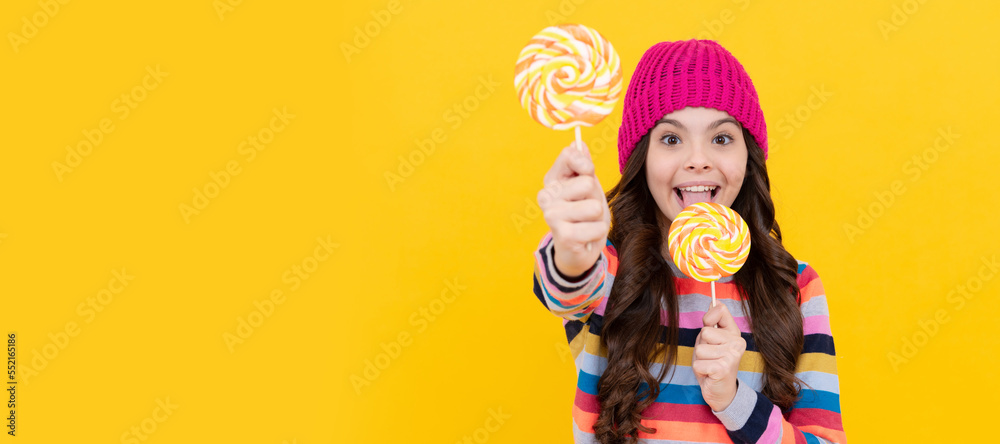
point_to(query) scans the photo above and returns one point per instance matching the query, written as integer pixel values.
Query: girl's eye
(670, 139)
(721, 139)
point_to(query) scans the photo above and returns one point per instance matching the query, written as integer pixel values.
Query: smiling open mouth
(691, 195)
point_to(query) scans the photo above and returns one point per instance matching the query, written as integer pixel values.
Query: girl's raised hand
(716, 357)
(575, 209)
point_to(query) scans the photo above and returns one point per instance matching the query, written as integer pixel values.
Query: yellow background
(463, 214)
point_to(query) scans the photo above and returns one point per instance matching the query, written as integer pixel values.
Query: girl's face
(695, 155)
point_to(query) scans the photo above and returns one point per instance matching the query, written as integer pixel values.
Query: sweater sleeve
(574, 299)
(815, 417)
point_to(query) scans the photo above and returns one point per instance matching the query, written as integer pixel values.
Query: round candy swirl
(709, 241)
(568, 75)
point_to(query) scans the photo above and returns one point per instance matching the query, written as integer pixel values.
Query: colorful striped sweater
(680, 413)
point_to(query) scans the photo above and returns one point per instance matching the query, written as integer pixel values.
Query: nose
(698, 160)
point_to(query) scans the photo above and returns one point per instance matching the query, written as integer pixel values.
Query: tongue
(690, 197)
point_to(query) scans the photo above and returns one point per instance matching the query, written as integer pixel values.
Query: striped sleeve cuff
(572, 299)
(736, 415)
(751, 417)
(560, 279)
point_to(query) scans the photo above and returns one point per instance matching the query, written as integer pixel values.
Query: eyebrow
(713, 125)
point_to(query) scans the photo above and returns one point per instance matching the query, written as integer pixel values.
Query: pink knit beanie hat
(674, 75)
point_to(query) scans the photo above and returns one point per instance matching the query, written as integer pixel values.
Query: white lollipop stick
(713, 300)
(713, 293)
(579, 147)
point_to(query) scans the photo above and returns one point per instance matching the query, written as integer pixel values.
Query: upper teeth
(698, 188)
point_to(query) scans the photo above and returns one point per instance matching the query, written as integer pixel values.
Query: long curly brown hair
(632, 331)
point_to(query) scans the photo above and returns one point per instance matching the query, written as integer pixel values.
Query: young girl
(656, 362)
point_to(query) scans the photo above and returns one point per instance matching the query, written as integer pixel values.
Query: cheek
(736, 179)
(735, 182)
(659, 171)
(659, 178)
(735, 170)
(659, 181)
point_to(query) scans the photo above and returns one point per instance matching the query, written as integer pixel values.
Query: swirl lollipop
(709, 241)
(568, 76)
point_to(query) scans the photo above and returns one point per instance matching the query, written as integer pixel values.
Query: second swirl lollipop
(709, 241)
